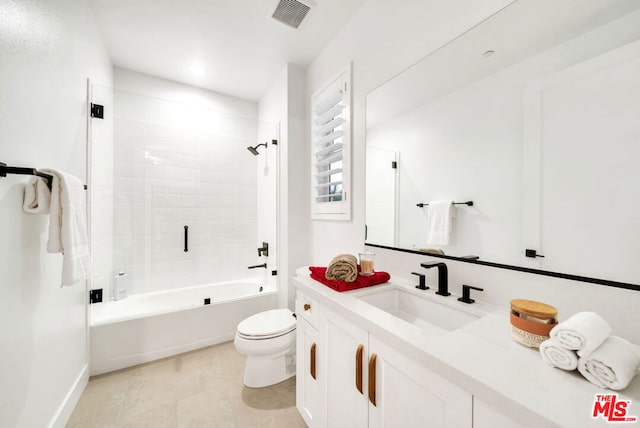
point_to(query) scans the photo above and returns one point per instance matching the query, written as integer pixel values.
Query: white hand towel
(37, 197)
(613, 365)
(555, 355)
(583, 332)
(439, 222)
(68, 226)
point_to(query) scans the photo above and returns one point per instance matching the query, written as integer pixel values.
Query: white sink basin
(432, 314)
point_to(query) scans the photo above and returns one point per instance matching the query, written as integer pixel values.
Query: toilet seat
(267, 325)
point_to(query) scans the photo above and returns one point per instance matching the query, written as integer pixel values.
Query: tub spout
(263, 265)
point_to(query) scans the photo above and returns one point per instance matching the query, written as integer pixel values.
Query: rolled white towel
(582, 332)
(557, 356)
(613, 365)
(37, 197)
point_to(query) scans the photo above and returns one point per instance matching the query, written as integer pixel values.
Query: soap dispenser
(120, 286)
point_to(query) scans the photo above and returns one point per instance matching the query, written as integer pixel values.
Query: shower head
(254, 149)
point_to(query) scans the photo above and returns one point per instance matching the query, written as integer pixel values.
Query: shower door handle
(186, 239)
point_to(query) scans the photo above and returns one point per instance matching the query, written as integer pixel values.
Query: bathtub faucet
(263, 265)
(264, 250)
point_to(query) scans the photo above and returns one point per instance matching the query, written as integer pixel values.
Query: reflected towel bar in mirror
(4, 170)
(468, 203)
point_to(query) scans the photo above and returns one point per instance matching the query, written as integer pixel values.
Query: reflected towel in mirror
(440, 222)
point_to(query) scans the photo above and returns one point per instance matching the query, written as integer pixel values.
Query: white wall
(47, 51)
(381, 40)
(458, 146)
(480, 161)
(180, 159)
(283, 103)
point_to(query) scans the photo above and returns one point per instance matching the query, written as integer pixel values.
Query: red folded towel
(317, 273)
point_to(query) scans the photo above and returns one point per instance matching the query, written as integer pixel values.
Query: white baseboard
(70, 401)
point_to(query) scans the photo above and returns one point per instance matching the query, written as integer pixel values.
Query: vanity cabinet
(363, 382)
(486, 416)
(346, 360)
(408, 394)
(309, 387)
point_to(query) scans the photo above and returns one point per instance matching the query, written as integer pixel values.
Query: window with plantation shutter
(330, 149)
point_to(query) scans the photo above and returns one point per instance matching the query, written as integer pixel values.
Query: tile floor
(202, 388)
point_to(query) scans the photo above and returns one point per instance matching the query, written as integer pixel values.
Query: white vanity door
(309, 386)
(346, 404)
(409, 395)
(486, 416)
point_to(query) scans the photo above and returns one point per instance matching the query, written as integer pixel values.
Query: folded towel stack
(319, 274)
(432, 251)
(554, 354)
(343, 267)
(583, 332)
(613, 365)
(584, 342)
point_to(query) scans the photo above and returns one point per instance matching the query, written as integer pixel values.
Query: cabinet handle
(359, 368)
(307, 306)
(312, 365)
(372, 379)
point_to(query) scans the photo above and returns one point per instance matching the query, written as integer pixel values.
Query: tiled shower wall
(177, 165)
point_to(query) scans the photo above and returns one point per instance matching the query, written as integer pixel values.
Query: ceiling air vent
(291, 12)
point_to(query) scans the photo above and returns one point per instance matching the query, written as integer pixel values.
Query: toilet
(268, 339)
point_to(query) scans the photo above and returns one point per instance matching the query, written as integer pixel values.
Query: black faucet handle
(432, 264)
(264, 250)
(466, 293)
(423, 284)
(263, 265)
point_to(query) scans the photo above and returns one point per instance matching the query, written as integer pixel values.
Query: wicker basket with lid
(532, 321)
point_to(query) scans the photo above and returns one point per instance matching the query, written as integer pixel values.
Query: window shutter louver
(330, 144)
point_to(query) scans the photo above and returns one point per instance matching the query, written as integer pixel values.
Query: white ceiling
(236, 41)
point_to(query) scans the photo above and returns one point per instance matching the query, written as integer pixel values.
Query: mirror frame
(477, 261)
(571, 277)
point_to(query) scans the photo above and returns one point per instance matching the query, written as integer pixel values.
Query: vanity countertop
(482, 358)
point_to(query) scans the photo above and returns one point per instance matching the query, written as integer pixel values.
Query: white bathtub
(149, 326)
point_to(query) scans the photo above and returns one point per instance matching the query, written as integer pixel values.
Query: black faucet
(422, 285)
(263, 265)
(466, 293)
(264, 250)
(443, 276)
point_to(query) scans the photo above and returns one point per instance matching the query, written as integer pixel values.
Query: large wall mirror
(534, 115)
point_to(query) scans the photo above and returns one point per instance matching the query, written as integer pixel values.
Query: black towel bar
(4, 170)
(468, 203)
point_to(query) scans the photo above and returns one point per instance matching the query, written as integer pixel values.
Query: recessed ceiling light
(488, 53)
(197, 70)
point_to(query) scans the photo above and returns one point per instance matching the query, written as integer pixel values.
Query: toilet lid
(268, 323)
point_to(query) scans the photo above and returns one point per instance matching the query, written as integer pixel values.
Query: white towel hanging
(68, 226)
(440, 222)
(37, 197)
